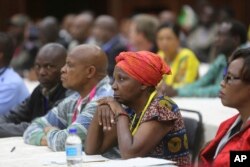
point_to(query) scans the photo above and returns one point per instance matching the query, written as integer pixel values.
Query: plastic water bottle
(73, 148)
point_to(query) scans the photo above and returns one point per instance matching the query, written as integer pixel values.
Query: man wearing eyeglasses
(231, 35)
(233, 135)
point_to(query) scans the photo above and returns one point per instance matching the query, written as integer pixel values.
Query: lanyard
(79, 102)
(77, 108)
(143, 112)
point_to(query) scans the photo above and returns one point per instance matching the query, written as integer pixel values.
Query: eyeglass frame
(227, 78)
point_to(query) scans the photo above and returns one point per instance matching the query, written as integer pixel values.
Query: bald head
(86, 65)
(54, 52)
(49, 61)
(91, 55)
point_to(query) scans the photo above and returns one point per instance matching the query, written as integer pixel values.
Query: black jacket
(14, 122)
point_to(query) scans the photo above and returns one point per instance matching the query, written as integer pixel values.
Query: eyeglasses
(228, 78)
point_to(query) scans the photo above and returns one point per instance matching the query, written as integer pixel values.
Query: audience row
(134, 115)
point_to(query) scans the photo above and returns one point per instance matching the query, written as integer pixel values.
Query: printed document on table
(135, 162)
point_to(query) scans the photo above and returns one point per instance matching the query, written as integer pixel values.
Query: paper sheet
(93, 158)
(59, 158)
(135, 162)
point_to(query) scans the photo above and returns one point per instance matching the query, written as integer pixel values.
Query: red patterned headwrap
(146, 67)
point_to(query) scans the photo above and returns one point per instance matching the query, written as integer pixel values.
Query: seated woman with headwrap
(136, 120)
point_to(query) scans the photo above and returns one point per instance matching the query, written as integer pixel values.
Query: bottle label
(73, 151)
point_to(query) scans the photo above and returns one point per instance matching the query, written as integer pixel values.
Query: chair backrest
(195, 132)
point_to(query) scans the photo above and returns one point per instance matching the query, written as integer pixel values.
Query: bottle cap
(72, 130)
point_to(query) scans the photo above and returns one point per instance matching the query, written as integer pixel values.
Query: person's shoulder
(165, 101)
(62, 92)
(70, 99)
(220, 61)
(229, 121)
(160, 53)
(120, 42)
(187, 55)
(220, 57)
(12, 80)
(118, 45)
(12, 77)
(37, 90)
(104, 88)
(186, 52)
(73, 96)
(69, 92)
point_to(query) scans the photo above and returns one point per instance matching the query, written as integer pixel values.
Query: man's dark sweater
(14, 122)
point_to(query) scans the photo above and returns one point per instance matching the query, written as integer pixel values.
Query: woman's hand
(108, 109)
(105, 116)
(113, 104)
